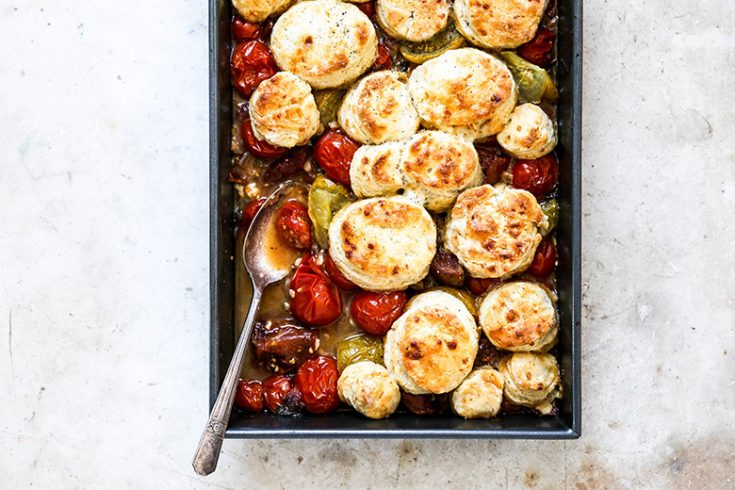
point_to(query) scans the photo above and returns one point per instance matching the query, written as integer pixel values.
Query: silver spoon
(261, 257)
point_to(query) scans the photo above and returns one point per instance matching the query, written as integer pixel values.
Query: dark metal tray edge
(222, 254)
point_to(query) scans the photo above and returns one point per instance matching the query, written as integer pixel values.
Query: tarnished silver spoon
(266, 262)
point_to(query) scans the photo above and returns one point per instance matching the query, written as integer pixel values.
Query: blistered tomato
(536, 176)
(294, 226)
(250, 210)
(333, 152)
(259, 148)
(251, 63)
(376, 312)
(316, 379)
(275, 390)
(539, 50)
(249, 396)
(544, 261)
(243, 30)
(384, 60)
(286, 167)
(478, 287)
(315, 300)
(493, 162)
(339, 279)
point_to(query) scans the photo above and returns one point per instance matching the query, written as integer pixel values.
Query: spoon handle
(207, 453)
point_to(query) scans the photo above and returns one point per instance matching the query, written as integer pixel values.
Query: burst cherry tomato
(250, 210)
(493, 162)
(368, 8)
(376, 312)
(536, 176)
(286, 167)
(384, 60)
(545, 259)
(251, 63)
(243, 30)
(294, 226)
(249, 396)
(333, 152)
(275, 390)
(478, 287)
(339, 279)
(539, 50)
(261, 149)
(316, 379)
(316, 300)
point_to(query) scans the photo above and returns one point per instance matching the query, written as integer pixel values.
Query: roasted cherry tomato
(536, 176)
(261, 149)
(493, 162)
(376, 312)
(316, 379)
(243, 30)
(337, 277)
(384, 60)
(333, 152)
(539, 50)
(250, 210)
(282, 346)
(545, 259)
(316, 300)
(275, 390)
(446, 269)
(478, 287)
(251, 63)
(249, 396)
(487, 354)
(286, 167)
(294, 226)
(368, 8)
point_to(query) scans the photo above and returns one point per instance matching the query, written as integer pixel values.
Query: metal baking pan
(566, 425)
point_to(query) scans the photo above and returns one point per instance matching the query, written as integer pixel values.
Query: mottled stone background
(104, 263)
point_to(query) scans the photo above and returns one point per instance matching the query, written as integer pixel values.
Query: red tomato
(316, 379)
(261, 149)
(493, 161)
(249, 396)
(384, 60)
(376, 312)
(286, 167)
(275, 389)
(333, 152)
(536, 176)
(294, 226)
(243, 30)
(251, 63)
(544, 261)
(368, 8)
(478, 287)
(539, 50)
(250, 210)
(316, 300)
(337, 277)
(266, 28)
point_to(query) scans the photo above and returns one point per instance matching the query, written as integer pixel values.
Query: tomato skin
(243, 30)
(337, 277)
(250, 210)
(544, 261)
(478, 287)
(333, 152)
(286, 167)
(249, 396)
(385, 58)
(316, 379)
(536, 176)
(316, 299)
(376, 312)
(539, 50)
(251, 63)
(368, 8)
(493, 162)
(275, 390)
(259, 148)
(294, 225)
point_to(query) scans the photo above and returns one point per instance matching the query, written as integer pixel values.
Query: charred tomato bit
(315, 299)
(544, 261)
(316, 380)
(259, 148)
(251, 63)
(536, 176)
(284, 168)
(376, 312)
(446, 269)
(337, 277)
(249, 396)
(294, 226)
(333, 153)
(243, 30)
(282, 346)
(493, 162)
(540, 50)
(275, 390)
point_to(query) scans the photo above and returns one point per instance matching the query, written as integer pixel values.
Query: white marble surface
(104, 272)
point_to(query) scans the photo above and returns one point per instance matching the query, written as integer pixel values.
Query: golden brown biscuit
(413, 20)
(369, 388)
(378, 108)
(259, 10)
(519, 317)
(431, 348)
(498, 24)
(531, 380)
(375, 170)
(437, 166)
(326, 42)
(383, 244)
(465, 92)
(480, 394)
(529, 134)
(283, 111)
(494, 231)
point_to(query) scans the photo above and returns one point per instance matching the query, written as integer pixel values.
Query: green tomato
(534, 83)
(359, 348)
(325, 199)
(551, 210)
